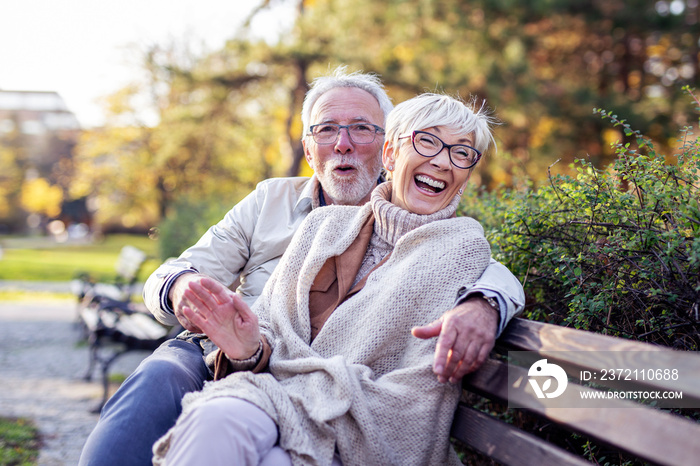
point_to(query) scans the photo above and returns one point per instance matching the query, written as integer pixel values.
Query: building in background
(37, 136)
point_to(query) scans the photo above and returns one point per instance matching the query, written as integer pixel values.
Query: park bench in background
(643, 433)
(111, 323)
(127, 268)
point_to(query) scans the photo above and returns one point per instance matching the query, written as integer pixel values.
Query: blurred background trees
(224, 120)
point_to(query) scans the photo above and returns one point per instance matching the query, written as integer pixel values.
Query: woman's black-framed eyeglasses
(428, 145)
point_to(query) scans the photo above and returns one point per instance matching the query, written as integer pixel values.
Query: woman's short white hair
(430, 110)
(340, 78)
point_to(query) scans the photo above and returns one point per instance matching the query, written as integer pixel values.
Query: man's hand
(177, 298)
(467, 334)
(224, 317)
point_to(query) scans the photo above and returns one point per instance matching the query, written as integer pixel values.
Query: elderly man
(245, 247)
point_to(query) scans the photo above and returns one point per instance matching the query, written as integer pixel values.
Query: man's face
(347, 171)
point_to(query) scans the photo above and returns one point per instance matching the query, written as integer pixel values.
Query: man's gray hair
(430, 110)
(368, 82)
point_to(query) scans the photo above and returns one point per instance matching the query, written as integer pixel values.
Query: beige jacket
(247, 243)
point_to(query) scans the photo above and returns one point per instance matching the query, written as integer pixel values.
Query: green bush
(614, 251)
(186, 224)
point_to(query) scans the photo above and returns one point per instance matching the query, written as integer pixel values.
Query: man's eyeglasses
(360, 133)
(429, 145)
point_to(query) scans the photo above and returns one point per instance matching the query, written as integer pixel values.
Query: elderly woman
(345, 381)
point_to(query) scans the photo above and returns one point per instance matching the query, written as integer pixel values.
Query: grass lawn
(38, 259)
(19, 442)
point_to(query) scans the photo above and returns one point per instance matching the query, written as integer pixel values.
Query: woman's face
(425, 185)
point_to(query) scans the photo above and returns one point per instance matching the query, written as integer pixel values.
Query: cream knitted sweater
(365, 385)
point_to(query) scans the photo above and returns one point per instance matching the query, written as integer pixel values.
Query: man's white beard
(347, 191)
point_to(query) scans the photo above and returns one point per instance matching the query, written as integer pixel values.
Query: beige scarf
(365, 385)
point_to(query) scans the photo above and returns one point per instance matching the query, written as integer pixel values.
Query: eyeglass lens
(359, 133)
(428, 145)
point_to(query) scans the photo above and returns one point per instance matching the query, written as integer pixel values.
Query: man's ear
(307, 153)
(388, 155)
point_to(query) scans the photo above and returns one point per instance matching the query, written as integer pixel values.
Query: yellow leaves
(634, 80)
(544, 128)
(656, 50)
(120, 101)
(5, 206)
(404, 53)
(515, 51)
(499, 175)
(271, 155)
(10, 177)
(611, 136)
(305, 169)
(40, 197)
(80, 187)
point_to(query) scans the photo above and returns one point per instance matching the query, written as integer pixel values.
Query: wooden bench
(127, 268)
(635, 432)
(111, 323)
(115, 328)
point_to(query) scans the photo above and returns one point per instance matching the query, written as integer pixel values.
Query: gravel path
(41, 368)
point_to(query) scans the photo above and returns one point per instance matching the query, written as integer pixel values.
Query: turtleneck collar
(392, 222)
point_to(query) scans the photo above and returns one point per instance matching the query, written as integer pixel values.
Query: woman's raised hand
(224, 317)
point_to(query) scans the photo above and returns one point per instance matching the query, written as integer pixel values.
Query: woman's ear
(466, 182)
(388, 156)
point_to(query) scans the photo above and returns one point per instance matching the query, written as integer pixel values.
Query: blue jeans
(146, 405)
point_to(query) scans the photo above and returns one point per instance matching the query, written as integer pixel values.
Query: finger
(196, 318)
(198, 302)
(427, 331)
(214, 305)
(186, 323)
(243, 309)
(221, 293)
(453, 378)
(481, 358)
(482, 349)
(465, 363)
(203, 294)
(457, 353)
(443, 347)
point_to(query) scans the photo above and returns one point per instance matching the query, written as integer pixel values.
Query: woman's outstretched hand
(224, 317)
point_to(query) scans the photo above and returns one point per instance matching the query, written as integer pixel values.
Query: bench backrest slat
(576, 350)
(129, 262)
(528, 335)
(508, 444)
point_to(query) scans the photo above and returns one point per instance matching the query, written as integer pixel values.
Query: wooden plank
(642, 431)
(129, 262)
(90, 318)
(529, 335)
(576, 350)
(141, 327)
(505, 443)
